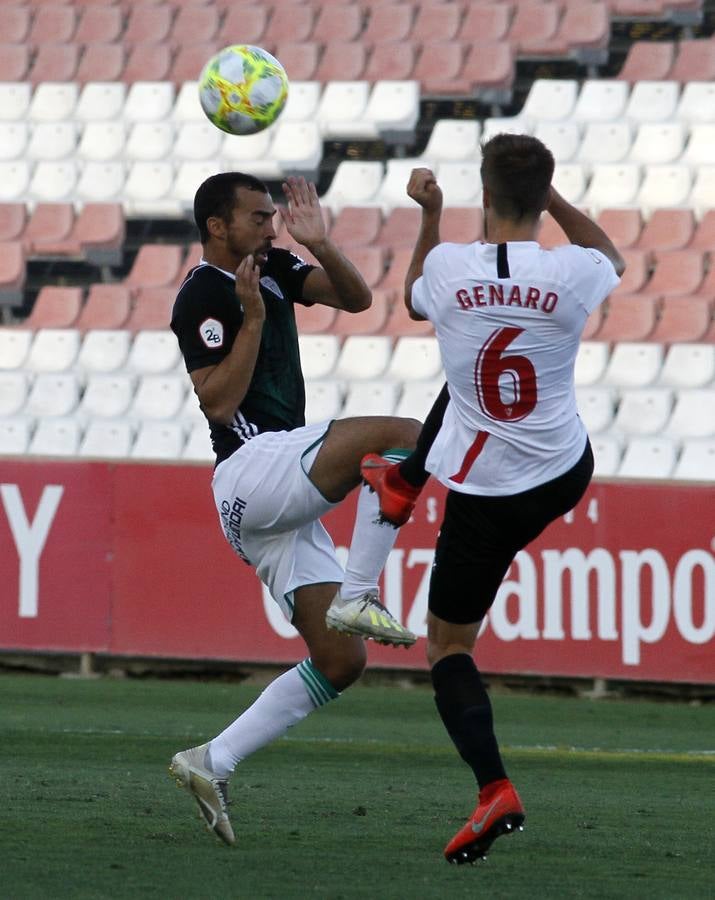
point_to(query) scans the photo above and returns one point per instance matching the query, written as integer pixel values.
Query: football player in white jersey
(504, 436)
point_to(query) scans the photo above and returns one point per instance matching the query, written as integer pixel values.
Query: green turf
(356, 802)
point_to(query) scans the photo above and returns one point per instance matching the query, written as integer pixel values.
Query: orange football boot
(397, 497)
(499, 811)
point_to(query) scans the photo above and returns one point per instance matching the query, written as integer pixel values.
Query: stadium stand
(102, 143)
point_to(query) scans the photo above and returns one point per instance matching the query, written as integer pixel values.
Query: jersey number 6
(506, 385)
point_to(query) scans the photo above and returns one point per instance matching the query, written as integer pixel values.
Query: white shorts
(269, 511)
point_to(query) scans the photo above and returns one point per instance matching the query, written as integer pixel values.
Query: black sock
(413, 469)
(463, 704)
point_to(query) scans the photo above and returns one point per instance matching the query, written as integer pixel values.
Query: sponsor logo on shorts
(231, 517)
(211, 331)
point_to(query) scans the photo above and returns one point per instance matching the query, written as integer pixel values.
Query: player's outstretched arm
(423, 189)
(581, 230)
(337, 283)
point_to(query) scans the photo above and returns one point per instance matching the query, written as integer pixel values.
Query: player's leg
(335, 472)
(398, 485)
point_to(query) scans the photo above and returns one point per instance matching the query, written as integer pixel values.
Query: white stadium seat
(53, 182)
(52, 140)
(453, 139)
(363, 357)
(370, 398)
(570, 181)
(605, 142)
(198, 444)
(612, 185)
(15, 100)
(318, 354)
(197, 140)
(323, 400)
(658, 143)
(562, 138)
(107, 439)
(355, 183)
(102, 141)
(633, 365)
(601, 100)
(53, 394)
(393, 190)
(341, 110)
(417, 398)
(13, 139)
(187, 107)
(297, 149)
(14, 386)
(302, 103)
(505, 125)
(158, 440)
(148, 189)
(157, 397)
(550, 99)
(54, 349)
(101, 182)
(693, 414)
(643, 411)
(414, 359)
(591, 361)
(103, 350)
(699, 149)
(191, 413)
(248, 153)
(393, 110)
(151, 141)
(106, 396)
(696, 461)
(15, 436)
(697, 102)
(664, 186)
(652, 101)
(153, 352)
(607, 453)
(461, 183)
(53, 101)
(101, 101)
(688, 366)
(14, 180)
(55, 437)
(148, 101)
(596, 407)
(648, 457)
(189, 175)
(15, 346)
(702, 194)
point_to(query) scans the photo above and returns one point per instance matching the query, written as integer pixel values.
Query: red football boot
(397, 497)
(499, 811)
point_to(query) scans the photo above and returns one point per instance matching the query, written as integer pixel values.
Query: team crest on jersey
(211, 332)
(268, 283)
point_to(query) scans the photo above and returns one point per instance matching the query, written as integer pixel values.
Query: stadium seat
(607, 452)
(652, 101)
(505, 125)
(562, 138)
(15, 101)
(99, 230)
(686, 318)
(196, 140)
(695, 61)
(596, 407)
(302, 102)
(152, 307)
(391, 62)
(106, 439)
(658, 142)
(12, 221)
(633, 365)
(153, 352)
(299, 59)
(415, 359)
(393, 110)
(638, 270)
(54, 62)
(440, 22)
(247, 21)
(15, 22)
(461, 183)
(53, 349)
(591, 361)
(101, 101)
(103, 350)
(363, 357)
(677, 272)
(53, 102)
(605, 142)
(370, 398)
(15, 435)
(570, 181)
(648, 61)
(356, 226)
(667, 229)
(191, 412)
(664, 186)
(99, 24)
(14, 386)
(688, 366)
(15, 346)
(439, 68)
(248, 153)
(702, 194)
(198, 444)
(489, 72)
(584, 33)
(323, 400)
(600, 100)
(697, 103)
(150, 141)
(158, 440)
(155, 265)
(628, 318)
(13, 273)
(101, 141)
(699, 149)
(101, 63)
(355, 182)
(342, 109)
(388, 23)
(48, 225)
(14, 62)
(187, 107)
(623, 226)
(696, 461)
(101, 182)
(148, 101)
(106, 396)
(194, 24)
(148, 23)
(298, 26)
(55, 437)
(340, 22)
(461, 224)
(693, 414)
(452, 139)
(318, 354)
(53, 181)
(297, 149)
(612, 185)
(402, 224)
(643, 411)
(147, 63)
(55, 307)
(393, 189)
(342, 60)
(53, 394)
(532, 26)
(550, 99)
(399, 324)
(417, 398)
(370, 321)
(14, 137)
(315, 319)
(14, 180)
(157, 397)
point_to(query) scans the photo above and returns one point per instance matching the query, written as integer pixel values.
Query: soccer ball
(242, 89)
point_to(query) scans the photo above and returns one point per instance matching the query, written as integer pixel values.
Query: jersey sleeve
(202, 325)
(589, 273)
(423, 288)
(290, 271)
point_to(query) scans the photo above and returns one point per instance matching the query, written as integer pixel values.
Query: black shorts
(480, 536)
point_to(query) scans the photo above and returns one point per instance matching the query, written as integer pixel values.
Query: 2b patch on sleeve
(211, 332)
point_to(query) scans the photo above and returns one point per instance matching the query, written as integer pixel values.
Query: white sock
(371, 541)
(284, 703)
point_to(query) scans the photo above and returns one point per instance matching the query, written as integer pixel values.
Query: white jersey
(508, 319)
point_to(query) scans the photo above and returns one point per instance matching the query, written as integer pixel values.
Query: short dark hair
(217, 197)
(517, 170)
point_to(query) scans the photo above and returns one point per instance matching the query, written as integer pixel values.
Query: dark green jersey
(207, 317)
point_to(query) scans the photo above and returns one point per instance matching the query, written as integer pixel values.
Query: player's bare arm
(337, 283)
(221, 388)
(423, 189)
(581, 230)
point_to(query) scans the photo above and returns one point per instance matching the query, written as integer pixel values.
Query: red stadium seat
(148, 24)
(461, 224)
(437, 21)
(152, 308)
(623, 226)
(648, 61)
(400, 228)
(107, 307)
(392, 22)
(299, 59)
(55, 307)
(485, 24)
(15, 23)
(491, 71)
(314, 319)
(12, 221)
(52, 24)
(695, 61)
(344, 61)
(155, 265)
(668, 229)
(194, 25)
(99, 25)
(370, 261)
(14, 62)
(391, 62)
(638, 269)
(704, 237)
(532, 26)
(147, 62)
(339, 22)
(680, 319)
(439, 69)
(294, 25)
(370, 321)
(629, 317)
(49, 224)
(551, 234)
(13, 272)
(54, 62)
(399, 323)
(101, 63)
(677, 272)
(356, 226)
(189, 60)
(243, 24)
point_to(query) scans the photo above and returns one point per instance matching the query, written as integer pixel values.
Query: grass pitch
(356, 802)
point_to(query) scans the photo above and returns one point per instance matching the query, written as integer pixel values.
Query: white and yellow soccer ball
(243, 89)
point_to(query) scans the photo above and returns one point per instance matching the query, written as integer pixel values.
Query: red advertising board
(128, 559)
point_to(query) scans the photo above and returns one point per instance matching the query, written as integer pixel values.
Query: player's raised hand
(248, 289)
(423, 189)
(302, 216)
